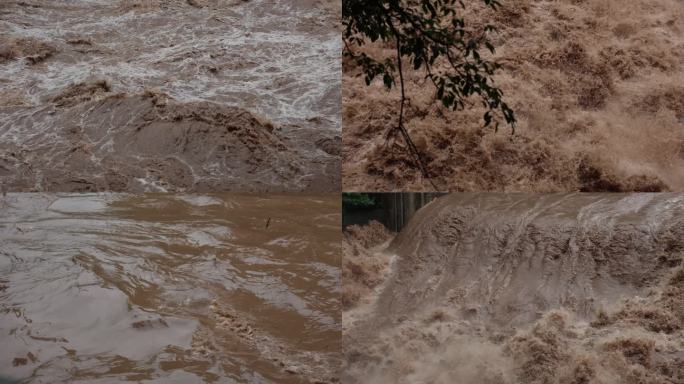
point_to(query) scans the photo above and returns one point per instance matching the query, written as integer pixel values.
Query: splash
(491, 288)
(61, 60)
(596, 86)
(362, 269)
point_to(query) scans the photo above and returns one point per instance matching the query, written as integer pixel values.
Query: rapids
(510, 288)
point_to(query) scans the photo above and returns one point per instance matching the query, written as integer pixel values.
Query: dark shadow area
(393, 210)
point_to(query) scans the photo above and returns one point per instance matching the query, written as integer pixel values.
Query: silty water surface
(104, 288)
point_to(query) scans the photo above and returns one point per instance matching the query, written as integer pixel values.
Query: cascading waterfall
(540, 288)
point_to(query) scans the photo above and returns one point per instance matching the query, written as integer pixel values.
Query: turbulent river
(104, 288)
(276, 58)
(516, 288)
(247, 94)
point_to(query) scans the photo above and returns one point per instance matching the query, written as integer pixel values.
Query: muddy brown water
(596, 86)
(104, 288)
(524, 288)
(169, 96)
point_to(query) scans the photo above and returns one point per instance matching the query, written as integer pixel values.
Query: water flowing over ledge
(510, 288)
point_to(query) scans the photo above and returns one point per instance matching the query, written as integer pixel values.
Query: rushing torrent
(598, 91)
(493, 288)
(150, 95)
(169, 289)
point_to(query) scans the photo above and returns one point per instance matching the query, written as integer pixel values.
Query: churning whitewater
(597, 87)
(494, 288)
(149, 95)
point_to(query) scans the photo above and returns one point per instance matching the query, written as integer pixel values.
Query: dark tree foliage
(430, 35)
(357, 200)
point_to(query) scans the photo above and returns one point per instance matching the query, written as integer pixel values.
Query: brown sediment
(553, 289)
(287, 360)
(592, 178)
(108, 141)
(13, 98)
(150, 324)
(213, 95)
(81, 92)
(367, 236)
(595, 85)
(159, 287)
(19, 361)
(32, 50)
(363, 269)
(80, 41)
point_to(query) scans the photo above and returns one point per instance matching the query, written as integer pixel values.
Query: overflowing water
(104, 288)
(180, 96)
(597, 87)
(279, 59)
(518, 288)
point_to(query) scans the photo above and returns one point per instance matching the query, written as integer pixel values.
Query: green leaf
(388, 80)
(432, 36)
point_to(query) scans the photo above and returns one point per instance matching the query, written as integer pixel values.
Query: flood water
(277, 58)
(189, 96)
(522, 288)
(156, 288)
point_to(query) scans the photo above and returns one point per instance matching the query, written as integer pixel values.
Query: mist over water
(104, 288)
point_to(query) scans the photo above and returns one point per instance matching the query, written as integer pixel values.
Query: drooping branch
(413, 151)
(431, 35)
